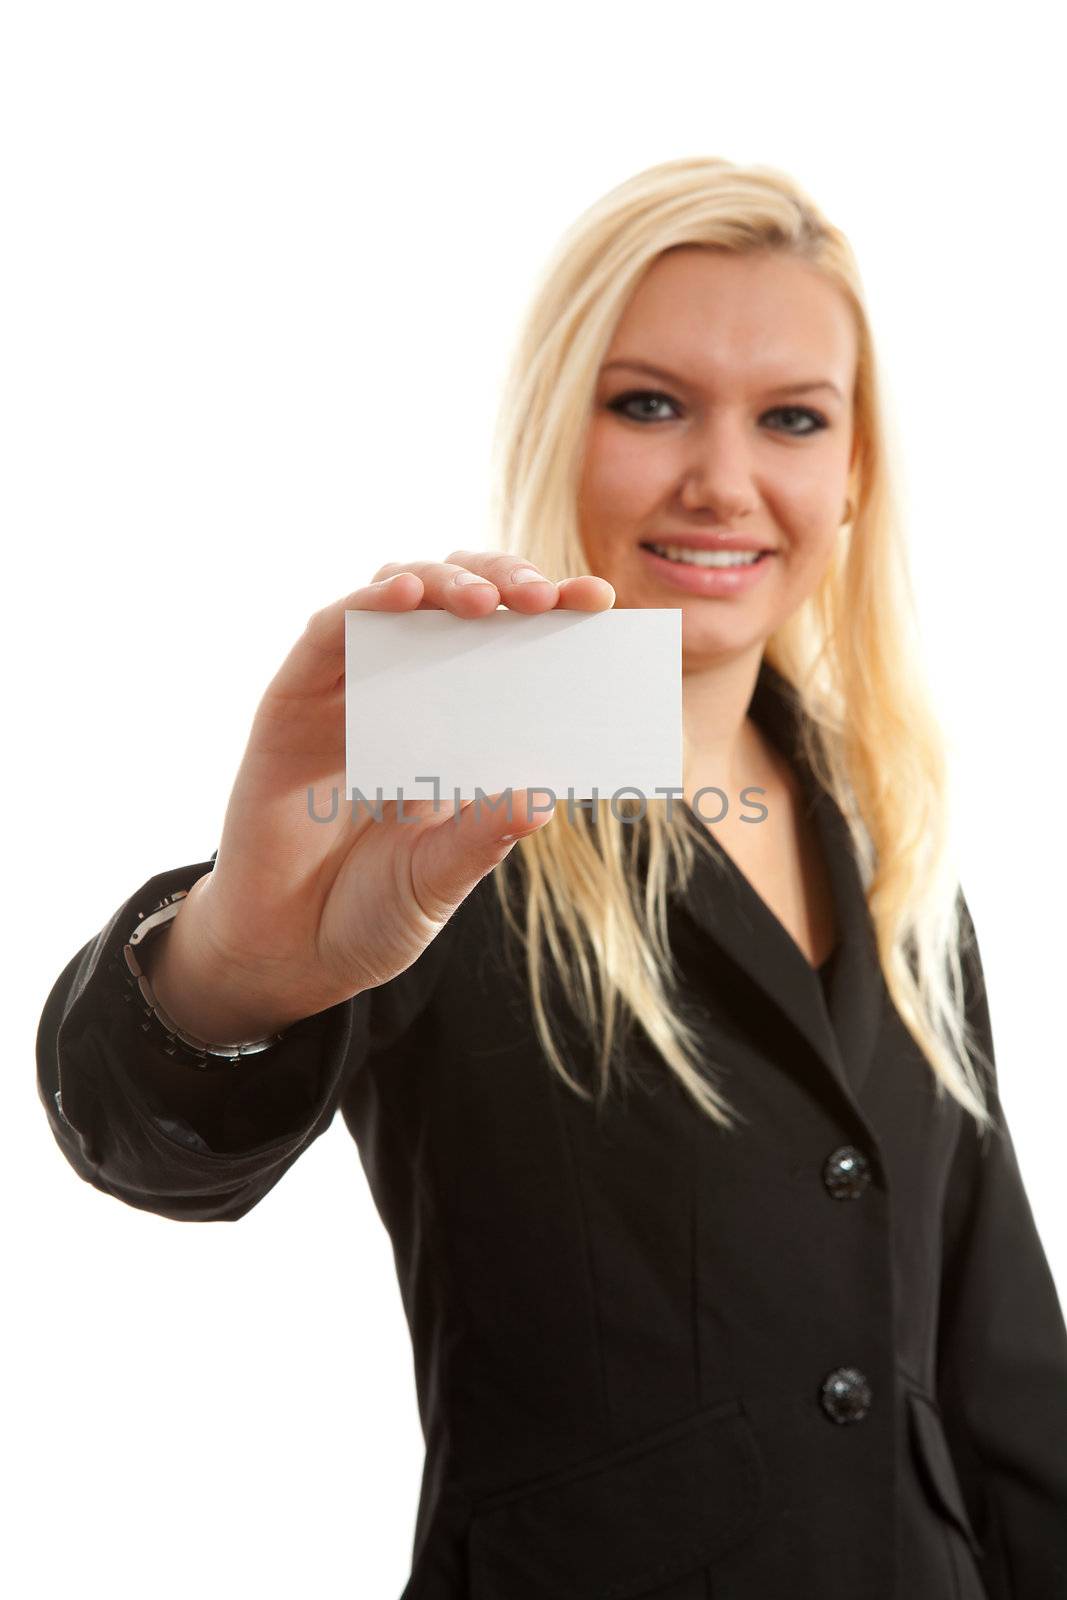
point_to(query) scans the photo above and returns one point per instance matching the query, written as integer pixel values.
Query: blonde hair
(849, 651)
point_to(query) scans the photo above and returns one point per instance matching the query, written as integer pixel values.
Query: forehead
(716, 316)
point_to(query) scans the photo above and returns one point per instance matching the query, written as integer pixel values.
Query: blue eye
(817, 421)
(624, 400)
(638, 405)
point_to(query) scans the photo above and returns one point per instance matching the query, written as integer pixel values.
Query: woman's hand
(298, 915)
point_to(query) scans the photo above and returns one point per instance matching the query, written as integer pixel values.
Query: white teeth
(707, 558)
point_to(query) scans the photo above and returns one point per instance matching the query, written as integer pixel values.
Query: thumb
(456, 854)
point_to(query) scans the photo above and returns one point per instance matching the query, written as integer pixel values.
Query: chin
(705, 651)
(733, 635)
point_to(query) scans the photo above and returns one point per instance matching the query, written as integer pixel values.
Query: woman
(720, 1273)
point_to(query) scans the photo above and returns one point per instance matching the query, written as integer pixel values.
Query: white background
(262, 265)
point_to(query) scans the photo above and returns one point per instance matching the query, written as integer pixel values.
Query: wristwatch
(204, 1054)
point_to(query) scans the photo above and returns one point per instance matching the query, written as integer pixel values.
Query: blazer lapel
(725, 906)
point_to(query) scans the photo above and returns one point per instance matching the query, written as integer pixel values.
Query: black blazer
(819, 1356)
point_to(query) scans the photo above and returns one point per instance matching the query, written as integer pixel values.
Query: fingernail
(528, 575)
(470, 577)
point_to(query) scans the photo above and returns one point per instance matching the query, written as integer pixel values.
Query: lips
(725, 560)
(722, 580)
(708, 541)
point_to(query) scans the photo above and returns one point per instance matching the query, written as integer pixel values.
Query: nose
(717, 471)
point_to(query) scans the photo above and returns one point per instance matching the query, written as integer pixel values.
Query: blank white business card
(582, 703)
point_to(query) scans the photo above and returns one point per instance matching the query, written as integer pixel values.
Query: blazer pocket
(928, 1436)
(618, 1526)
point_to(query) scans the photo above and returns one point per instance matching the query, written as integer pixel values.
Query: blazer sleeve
(1002, 1349)
(159, 1133)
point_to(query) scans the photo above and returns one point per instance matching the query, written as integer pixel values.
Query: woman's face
(722, 420)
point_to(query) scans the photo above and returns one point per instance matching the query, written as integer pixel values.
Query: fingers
(587, 593)
(486, 579)
(523, 587)
(518, 583)
(447, 586)
(316, 663)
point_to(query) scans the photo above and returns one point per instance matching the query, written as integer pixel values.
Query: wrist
(204, 1001)
(195, 990)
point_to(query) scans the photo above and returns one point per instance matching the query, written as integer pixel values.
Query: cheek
(809, 508)
(620, 480)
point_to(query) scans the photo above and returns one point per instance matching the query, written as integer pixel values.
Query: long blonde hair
(850, 653)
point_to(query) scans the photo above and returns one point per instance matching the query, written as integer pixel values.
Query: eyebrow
(804, 387)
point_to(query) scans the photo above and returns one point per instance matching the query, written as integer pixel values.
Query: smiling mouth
(707, 558)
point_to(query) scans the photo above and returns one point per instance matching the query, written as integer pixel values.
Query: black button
(847, 1173)
(846, 1395)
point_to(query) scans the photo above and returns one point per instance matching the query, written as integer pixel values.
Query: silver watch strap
(201, 1049)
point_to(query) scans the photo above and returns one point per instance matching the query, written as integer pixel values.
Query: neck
(723, 748)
